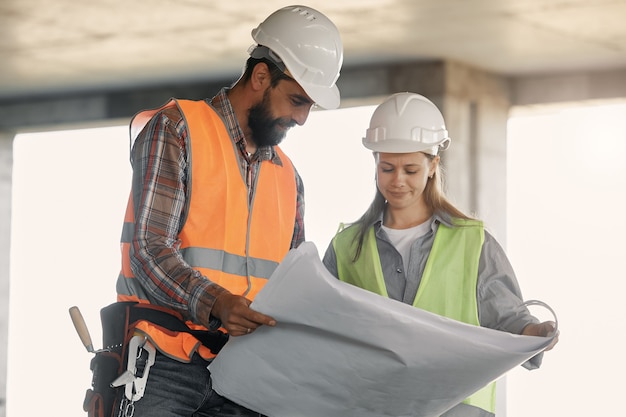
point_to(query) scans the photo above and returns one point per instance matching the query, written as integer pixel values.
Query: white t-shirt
(402, 239)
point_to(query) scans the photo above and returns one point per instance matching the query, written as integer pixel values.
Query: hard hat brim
(404, 146)
(326, 97)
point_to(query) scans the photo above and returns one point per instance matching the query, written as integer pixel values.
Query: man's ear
(261, 78)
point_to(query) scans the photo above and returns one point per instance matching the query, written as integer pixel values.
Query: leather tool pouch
(101, 400)
(118, 323)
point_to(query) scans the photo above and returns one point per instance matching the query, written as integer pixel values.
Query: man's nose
(300, 114)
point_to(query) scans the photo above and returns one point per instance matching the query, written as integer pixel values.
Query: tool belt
(110, 363)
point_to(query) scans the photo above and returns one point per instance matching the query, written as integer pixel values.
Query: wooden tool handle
(81, 328)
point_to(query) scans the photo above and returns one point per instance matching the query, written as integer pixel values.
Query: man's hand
(544, 329)
(236, 315)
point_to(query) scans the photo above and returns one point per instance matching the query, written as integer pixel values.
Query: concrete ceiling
(55, 46)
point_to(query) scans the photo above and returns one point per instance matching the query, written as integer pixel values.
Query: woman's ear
(434, 163)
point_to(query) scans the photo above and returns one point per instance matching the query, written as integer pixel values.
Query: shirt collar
(221, 104)
(435, 220)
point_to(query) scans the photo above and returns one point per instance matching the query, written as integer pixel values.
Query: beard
(267, 130)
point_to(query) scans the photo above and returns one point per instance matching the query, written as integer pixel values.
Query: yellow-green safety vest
(448, 284)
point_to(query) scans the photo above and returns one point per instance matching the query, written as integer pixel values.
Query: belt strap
(130, 312)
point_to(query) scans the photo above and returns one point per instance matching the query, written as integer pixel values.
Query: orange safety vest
(232, 240)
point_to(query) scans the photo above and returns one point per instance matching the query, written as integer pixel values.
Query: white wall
(338, 172)
(566, 205)
(69, 195)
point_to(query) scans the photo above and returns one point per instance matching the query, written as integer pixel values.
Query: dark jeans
(176, 389)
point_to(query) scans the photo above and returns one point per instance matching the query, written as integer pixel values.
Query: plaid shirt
(160, 173)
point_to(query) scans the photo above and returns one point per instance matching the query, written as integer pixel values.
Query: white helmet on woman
(308, 44)
(407, 122)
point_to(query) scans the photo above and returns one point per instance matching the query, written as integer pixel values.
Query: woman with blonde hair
(414, 246)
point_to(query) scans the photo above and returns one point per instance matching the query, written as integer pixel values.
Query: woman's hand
(544, 329)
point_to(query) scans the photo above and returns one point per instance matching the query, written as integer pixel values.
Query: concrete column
(6, 168)
(475, 106)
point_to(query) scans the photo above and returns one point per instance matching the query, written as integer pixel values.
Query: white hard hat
(309, 46)
(407, 122)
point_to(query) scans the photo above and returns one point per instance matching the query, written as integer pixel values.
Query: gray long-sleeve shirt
(498, 293)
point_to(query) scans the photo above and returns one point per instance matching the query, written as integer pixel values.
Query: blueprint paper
(341, 351)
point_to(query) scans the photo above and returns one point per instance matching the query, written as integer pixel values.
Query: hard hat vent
(304, 12)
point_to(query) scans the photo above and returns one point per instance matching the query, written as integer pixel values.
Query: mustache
(285, 122)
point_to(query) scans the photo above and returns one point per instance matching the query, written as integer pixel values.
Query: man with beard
(215, 206)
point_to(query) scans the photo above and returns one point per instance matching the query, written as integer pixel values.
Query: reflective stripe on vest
(233, 240)
(448, 284)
